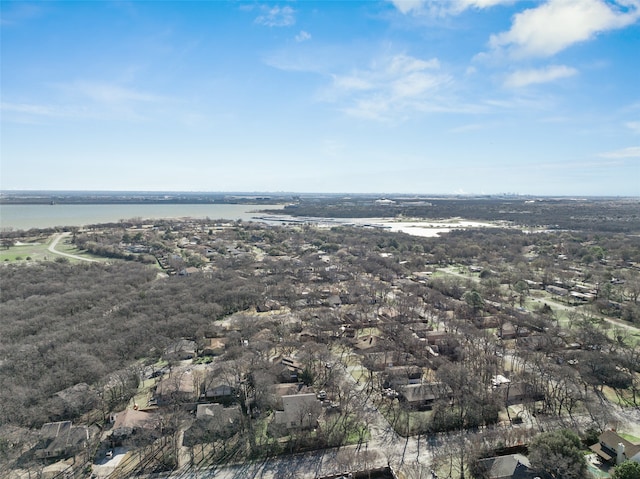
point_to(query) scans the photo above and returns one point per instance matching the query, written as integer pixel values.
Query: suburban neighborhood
(424, 357)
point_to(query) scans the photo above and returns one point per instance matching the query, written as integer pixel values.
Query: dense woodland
(75, 337)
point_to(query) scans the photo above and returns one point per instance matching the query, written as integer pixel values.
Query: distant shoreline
(51, 197)
(138, 199)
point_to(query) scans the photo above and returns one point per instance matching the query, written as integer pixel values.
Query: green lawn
(65, 246)
(629, 437)
(38, 251)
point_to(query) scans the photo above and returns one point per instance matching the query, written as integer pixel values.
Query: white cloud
(521, 78)
(630, 152)
(347, 83)
(391, 86)
(405, 64)
(482, 3)
(303, 36)
(414, 84)
(440, 8)
(460, 6)
(408, 6)
(276, 17)
(557, 24)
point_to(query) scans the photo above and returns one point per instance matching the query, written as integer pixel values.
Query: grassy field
(65, 246)
(32, 251)
(37, 250)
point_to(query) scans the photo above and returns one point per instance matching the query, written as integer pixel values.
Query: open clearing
(56, 246)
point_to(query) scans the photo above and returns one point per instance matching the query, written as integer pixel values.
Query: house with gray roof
(615, 449)
(61, 439)
(299, 411)
(513, 466)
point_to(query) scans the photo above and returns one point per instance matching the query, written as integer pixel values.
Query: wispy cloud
(408, 6)
(110, 94)
(481, 3)
(86, 99)
(522, 78)
(303, 36)
(36, 113)
(440, 8)
(276, 16)
(547, 29)
(390, 86)
(29, 109)
(630, 152)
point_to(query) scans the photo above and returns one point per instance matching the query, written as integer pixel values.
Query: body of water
(23, 217)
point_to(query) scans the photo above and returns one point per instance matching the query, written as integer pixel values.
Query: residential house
(397, 376)
(188, 271)
(218, 391)
(557, 290)
(292, 368)
(441, 342)
(521, 392)
(517, 392)
(177, 387)
(513, 466)
(579, 297)
(615, 449)
(61, 439)
(511, 331)
(421, 396)
(214, 346)
(299, 411)
(181, 349)
(132, 421)
(284, 374)
(280, 390)
(381, 360)
(214, 422)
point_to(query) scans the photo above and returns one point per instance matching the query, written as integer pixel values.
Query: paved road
(54, 243)
(318, 463)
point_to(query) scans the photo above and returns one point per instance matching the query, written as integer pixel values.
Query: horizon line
(308, 193)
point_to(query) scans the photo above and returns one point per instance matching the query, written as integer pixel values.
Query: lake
(23, 217)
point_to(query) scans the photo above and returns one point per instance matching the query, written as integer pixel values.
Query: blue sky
(464, 96)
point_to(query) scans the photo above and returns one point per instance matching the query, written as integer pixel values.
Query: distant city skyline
(405, 96)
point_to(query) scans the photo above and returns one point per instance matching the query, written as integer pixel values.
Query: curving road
(54, 243)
